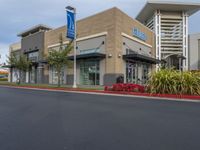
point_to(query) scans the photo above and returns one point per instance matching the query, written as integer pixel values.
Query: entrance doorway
(137, 72)
(131, 72)
(175, 61)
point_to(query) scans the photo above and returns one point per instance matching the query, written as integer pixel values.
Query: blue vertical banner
(70, 25)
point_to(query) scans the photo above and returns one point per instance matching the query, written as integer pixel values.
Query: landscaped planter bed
(129, 88)
(112, 92)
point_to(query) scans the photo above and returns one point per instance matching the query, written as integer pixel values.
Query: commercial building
(169, 22)
(194, 51)
(111, 44)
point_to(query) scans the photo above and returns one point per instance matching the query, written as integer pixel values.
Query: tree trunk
(11, 74)
(19, 78)
(59, 71)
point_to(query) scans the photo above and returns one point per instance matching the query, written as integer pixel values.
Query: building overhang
(152, 5)
(31, 51)
(6, 66)
(141, 58)
(9, 66)
(97, 56)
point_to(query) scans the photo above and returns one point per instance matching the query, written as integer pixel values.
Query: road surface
(42, 120)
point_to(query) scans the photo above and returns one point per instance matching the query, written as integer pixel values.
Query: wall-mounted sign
(139, 34)
(70, 25)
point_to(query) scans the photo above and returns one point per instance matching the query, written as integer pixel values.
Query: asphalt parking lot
(42, 120)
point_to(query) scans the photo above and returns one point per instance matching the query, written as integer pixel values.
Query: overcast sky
(18, 15)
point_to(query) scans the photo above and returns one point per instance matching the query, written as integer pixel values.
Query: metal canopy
(141, 58)
(88, 56)
(31, 51)
(152, 5)
(6, 66)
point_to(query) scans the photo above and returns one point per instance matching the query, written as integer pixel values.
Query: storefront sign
(139, 34)
(70, 25)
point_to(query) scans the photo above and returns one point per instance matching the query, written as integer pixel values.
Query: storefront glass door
(145, 73)
(137, 72)
(89, 73)
(131, 72)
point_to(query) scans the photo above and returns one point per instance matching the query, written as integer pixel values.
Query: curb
(146, 95)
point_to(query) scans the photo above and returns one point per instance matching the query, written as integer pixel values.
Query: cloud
(18, 15)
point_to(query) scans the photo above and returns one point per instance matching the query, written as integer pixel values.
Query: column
(158, 36)
(185, 41)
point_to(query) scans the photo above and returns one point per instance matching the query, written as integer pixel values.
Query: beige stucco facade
(112, 24)
(111, 29)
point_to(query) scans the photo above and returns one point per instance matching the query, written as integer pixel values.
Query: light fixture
(109, 55)
(69, 8)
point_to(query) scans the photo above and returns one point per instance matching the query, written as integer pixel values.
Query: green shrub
(169, 81)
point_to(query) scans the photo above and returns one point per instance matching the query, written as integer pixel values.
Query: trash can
(120, 79)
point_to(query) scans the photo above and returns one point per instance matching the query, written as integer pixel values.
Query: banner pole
(71, 34)
(75, 83)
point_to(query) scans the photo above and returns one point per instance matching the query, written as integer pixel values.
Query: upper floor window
(33, 56)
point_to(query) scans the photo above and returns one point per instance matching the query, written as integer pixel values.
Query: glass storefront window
(33, 57)
(54, 75)
(89, 72)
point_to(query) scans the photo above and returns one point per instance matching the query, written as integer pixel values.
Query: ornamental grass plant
(170, 81)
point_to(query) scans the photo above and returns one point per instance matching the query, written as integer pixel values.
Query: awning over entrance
(6, 66)
(31, 51)
(141, 58)
(88, 56)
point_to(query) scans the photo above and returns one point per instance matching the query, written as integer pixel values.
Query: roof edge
(173, 2)
(150, 3)
(34, 27)
(141, 10)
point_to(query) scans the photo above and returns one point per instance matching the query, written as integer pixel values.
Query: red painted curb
(191, 97)
(158, 95)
